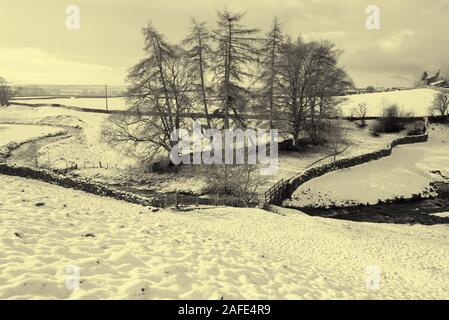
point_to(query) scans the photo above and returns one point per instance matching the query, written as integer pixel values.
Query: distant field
(20, 133)
(93, 103)
(416, 101)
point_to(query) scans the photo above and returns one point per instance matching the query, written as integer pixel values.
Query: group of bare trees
(311, 84)
(6, 92)
(226, 73)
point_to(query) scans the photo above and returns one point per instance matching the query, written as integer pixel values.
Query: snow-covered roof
(436, 83)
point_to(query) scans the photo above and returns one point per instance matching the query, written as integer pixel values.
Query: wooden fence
(275, 194)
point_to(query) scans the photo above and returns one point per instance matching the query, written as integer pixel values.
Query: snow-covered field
(20, 133)
(416, 101)
(408, 171)
(359, 141)
(86, 147)
(128, 251)
(93, 103)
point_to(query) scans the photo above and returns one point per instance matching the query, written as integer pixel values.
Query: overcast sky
(36, 47)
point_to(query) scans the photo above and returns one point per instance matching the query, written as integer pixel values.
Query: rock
(39, 204)
(162, 166)
(89, 234)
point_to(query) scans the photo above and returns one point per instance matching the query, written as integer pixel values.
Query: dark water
(415, 211)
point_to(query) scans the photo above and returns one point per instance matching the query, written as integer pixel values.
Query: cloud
(31, 66)
(413, 33)
(397, 41)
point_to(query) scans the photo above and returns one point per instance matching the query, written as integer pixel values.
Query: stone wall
(289, 186)
(68, 181)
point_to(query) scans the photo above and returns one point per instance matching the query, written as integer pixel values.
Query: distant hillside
(417, 101)
(67, 90)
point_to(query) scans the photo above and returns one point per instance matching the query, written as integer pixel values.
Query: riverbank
(428, 211)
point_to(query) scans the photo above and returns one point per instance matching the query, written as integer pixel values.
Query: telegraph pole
(106, 95)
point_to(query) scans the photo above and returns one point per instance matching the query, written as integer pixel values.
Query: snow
(441, 214)
(20, 133)
(406, 172)
(416, 101)
(210, 253)
(88, 149)
(85, 148)
(360, 141)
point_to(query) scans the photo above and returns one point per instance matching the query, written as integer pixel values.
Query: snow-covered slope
(128, 251)
(85, 148)
(21, 133)
(409, 170)
(416, 101)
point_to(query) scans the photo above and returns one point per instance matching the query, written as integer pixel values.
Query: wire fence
(177, 200)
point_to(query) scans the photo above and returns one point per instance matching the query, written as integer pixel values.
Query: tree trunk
(227, 76)
(203, 90)
(272, 80)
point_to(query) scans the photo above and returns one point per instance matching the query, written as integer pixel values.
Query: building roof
(438, 83)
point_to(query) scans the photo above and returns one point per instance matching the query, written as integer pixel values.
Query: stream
(411, 211)
(25, 154)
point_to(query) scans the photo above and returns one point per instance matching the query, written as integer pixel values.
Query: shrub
(392, 121)
(238, 180)
(416, 128)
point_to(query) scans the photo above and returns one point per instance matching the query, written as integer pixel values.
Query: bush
(416, 128)
(238, 180)
(392, 121)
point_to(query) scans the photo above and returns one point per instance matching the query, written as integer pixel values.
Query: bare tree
(336, 138)
(6, 92)
(238, 180)
(271, 53)
(234, 55)
(292, 79)
(361, 112)
(325, 90)
(198, 51)
(441, 103)
(159, 94)
(311, 82)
